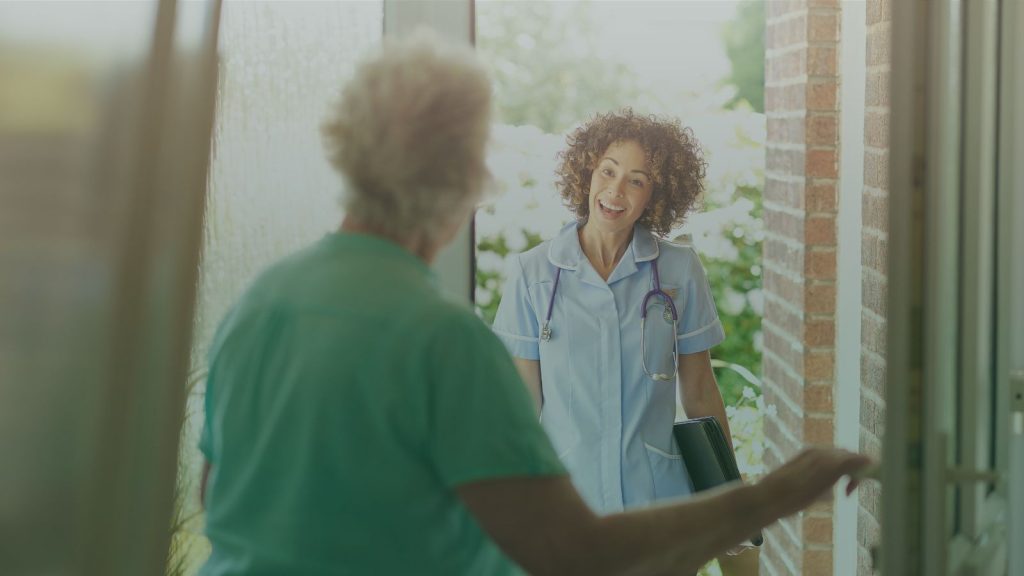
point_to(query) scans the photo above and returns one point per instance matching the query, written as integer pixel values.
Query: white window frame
(853, 37)
(452, 20)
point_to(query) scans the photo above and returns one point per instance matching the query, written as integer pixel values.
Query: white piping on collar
(564, 249)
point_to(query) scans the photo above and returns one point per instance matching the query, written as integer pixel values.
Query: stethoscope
(670, 315)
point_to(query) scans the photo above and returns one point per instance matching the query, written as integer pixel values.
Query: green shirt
(346, 401)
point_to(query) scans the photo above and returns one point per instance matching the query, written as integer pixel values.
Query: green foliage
(744, 44)
(738, 280)
(541, 56)
(493, 279)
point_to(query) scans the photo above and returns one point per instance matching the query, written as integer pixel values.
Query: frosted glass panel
(271, 188)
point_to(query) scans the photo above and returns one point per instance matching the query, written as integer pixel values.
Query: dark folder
(708, 456)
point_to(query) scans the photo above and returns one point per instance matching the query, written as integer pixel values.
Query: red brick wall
(875, 211)
(801, 88)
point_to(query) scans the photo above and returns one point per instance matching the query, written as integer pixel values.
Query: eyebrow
(616, 162)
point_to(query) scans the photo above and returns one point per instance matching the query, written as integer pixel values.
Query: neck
(418, 245)
(604, 249)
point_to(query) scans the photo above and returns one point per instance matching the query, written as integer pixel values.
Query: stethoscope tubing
(656, 292)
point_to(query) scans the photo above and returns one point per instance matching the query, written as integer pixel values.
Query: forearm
(707, 402)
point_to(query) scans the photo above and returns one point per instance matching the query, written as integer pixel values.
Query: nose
(617, 186)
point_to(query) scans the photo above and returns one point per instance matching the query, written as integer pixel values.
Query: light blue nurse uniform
(609, 422)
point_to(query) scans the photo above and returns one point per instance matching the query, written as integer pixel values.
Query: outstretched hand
(810, 476)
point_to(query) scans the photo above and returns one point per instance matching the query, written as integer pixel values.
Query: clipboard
(708, 456)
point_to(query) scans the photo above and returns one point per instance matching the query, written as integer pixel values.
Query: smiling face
(620, 187)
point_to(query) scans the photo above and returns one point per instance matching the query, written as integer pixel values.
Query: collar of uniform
(565, 250)
(645, 244)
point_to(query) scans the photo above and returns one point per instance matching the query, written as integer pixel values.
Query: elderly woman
(357, 423)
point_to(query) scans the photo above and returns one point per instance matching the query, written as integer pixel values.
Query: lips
(610, 211)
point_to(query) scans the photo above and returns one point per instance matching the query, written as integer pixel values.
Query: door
(956, 262)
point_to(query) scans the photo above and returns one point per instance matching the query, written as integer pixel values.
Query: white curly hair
(409, 136)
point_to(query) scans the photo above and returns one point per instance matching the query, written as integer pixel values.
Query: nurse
(601, 318)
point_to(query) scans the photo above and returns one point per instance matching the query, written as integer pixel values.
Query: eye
(607, 172)
(638, 183)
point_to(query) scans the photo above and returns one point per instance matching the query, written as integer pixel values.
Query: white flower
(756, 299)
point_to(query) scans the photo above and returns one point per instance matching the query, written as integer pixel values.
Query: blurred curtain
(105, 117)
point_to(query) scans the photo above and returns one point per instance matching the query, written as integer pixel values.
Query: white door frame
(452, 20)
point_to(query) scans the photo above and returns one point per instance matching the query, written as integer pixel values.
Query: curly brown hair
(674, 157)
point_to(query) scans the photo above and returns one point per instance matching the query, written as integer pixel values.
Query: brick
(786, 32)
(821, 197)
(865, 565)
(784, 224)
(874, 293)
(789, 98)
(819, 366)
(785, 66)
(872, 334)
(818, 398)
(879, 42)
(820, 230)
(820, 333)
(789, 194)
(823, 27)
(819, 430)
(784, 352)
(788, 130)
(875, 211)
(782, 8)
(876, 129)
(784, 287)
(817, 562)
(872, 373)
(782, 550)
(876, 91)
(876, 169)
(783, 384)
(872, 415)
(791, 418)
(822, 96)
(784, 161)
(780, 448)
(819, 298)
(869, 443)
(821, 264)
(817, 529)
(874, 253)
(821, 61)
(790, 258)
(822, 130)
(822, 163)
(877, 11)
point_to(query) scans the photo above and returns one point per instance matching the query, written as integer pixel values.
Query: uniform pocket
(669, 473)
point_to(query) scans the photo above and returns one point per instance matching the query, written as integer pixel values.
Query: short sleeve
(699, 327)
(516, 320)
(482, 422)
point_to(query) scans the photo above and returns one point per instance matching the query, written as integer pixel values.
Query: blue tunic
(610, 423)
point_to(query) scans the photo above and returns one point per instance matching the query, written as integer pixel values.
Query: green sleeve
(482, 422)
